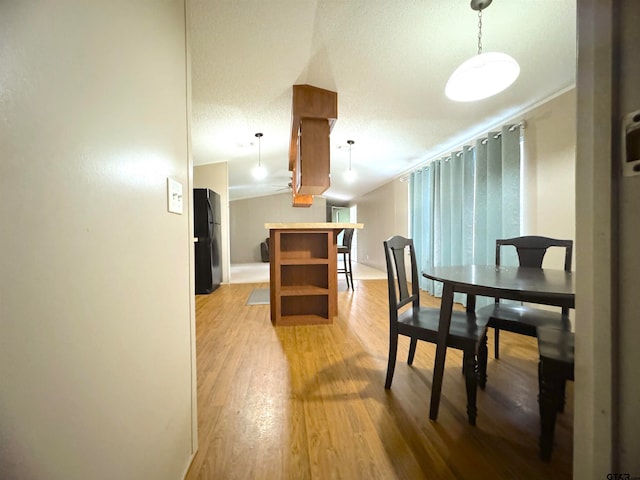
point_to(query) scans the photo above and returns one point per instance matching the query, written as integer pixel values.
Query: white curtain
(460, 204)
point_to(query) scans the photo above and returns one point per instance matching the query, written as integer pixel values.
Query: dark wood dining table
(533, 285)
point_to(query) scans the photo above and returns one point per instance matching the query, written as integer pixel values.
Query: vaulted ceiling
(388, 61)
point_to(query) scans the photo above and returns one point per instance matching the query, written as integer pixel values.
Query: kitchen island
(303, 278)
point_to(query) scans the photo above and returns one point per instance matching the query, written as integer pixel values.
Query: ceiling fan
(288, 186)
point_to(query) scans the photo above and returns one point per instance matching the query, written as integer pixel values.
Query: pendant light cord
(479, 31)
(259, 135)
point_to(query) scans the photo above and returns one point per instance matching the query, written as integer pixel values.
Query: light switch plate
(174, 196)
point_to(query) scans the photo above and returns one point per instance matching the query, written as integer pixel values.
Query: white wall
(549, 172)
(95, 318)
(596, 451)
(215, 176)
(627, 327)
(248, 217)
(384, 213)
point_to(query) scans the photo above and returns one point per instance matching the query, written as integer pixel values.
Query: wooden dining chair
(557, 352)
(519, 318)
(466, 333)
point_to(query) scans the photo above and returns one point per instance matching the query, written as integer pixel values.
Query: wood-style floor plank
(308, 402)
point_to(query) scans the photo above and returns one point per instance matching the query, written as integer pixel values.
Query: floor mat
(259, 296)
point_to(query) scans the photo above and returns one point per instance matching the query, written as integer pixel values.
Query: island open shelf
(303, 272)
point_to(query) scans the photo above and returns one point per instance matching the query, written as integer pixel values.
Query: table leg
(446, 308)
(482, 348)
(471, 382)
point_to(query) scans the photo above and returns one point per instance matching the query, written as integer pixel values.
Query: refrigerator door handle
(210, 219)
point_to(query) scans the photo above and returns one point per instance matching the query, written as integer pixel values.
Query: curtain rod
(521, 124)
(404, 175)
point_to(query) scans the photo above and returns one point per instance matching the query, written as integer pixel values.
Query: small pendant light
(350, 175)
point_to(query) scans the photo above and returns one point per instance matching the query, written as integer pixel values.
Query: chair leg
(391, 365)
(471, 381)
(496, 346)
(412, 350)
(346, 272)
(483, 354)
(350, 271)
(548, 400)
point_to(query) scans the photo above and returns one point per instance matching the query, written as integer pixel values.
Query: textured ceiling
(388, 60)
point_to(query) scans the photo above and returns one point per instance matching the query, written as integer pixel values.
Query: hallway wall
(95, 299)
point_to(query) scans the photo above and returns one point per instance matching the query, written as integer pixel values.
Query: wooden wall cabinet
(313, 165)
(314, 112)
(298, 199)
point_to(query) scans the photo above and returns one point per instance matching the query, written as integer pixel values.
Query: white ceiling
(388, 60)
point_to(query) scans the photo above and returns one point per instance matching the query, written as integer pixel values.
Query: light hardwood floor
(309, 402)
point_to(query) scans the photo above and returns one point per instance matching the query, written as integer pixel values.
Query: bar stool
(345, 250)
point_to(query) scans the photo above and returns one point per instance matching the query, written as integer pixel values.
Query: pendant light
(350, 175)
(483, 75)
(259, 172)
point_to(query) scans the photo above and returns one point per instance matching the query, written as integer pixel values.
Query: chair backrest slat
(395, 249)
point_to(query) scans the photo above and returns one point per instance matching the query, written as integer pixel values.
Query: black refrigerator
(206, 230)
